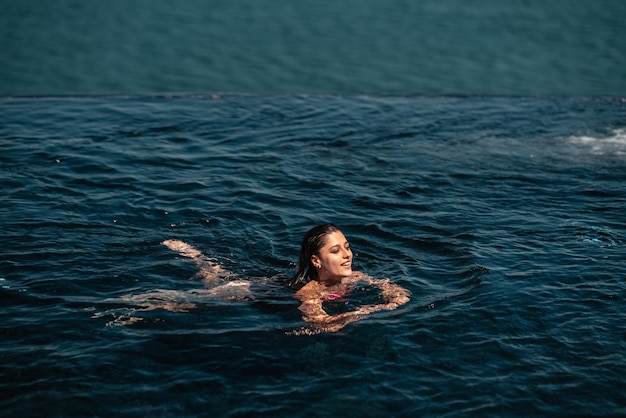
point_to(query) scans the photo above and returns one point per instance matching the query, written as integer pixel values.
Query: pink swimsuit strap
(336, 295)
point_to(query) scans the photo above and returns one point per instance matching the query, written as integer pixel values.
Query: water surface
(532, 47)
(503, 216)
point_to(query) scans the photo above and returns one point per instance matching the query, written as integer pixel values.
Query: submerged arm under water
(313, 295)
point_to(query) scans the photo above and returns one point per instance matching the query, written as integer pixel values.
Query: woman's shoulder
(311, 287)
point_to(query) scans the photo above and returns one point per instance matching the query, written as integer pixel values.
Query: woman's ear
(315, 260)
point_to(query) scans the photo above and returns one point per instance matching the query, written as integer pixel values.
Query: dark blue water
(530, 47)
(503, 216)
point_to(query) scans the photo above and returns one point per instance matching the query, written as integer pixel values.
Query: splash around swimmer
(324, 273)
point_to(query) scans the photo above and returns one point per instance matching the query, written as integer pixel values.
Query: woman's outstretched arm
(208, 269)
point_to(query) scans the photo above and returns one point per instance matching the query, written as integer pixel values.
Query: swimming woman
(324, 274)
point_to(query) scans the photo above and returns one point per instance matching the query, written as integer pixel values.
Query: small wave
(594, 235)
(613, 144)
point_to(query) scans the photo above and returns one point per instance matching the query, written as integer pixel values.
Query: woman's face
(334, 261)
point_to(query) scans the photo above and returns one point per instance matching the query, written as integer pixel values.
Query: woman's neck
(330, 281)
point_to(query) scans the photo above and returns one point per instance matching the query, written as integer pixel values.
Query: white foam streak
(614, 144)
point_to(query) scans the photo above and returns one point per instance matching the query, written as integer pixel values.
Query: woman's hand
(394, 294)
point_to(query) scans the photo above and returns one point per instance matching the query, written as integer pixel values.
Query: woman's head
(324, 252)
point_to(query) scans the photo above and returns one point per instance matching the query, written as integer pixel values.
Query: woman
(324, 275)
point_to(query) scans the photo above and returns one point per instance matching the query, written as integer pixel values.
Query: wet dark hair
(313, 241)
